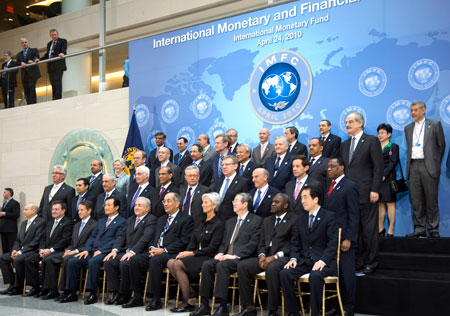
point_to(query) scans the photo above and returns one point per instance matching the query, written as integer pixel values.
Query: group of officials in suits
(57, 47)
(281, 211)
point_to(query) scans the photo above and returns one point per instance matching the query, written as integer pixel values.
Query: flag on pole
(132, 144)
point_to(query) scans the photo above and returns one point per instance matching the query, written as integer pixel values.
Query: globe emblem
(372, 82)
(202, 107)
(143, 115)
(444, 109)
(279, 86)
(423, 74)
(401, 115)
(398, 114)
(170, 111)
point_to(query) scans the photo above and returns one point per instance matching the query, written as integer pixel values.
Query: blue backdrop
(372, 56)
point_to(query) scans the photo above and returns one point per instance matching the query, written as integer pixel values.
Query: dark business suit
(244, 247)
(185, 160)
(297, 149)
(59, 241)
(145, 193)
(309, 246)
(29, 74)
(133, 238)
(175, 240)
(101, 239)
(65, 194)
(95, 188)
(216, 172)
(100, 205)
(284, 173)
(157, 199)
(195, 208)
(75, 204)
(153, 162)
(423, 175)
(296, 205)
(204, 167)
(263, 209)
(248, 170)
(9, 83)
(366, 169)
(238, 185)
(269, 151)
(55, 69)
(27, 243)
(176, 175)
(8, 224)
(344, 203)
(331, 146)
(79, 240)
(318, 171)
(272, 241)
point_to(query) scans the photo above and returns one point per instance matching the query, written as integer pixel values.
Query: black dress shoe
(5, 292)
(221, 311)
(382, 233)
(123, 298)
(416, 235)
(31, 292)
(133, 302)
(202, 310)
(154, 305)
(69, 298)
(50, 295)
(435, 235)
(42, 292)
(91, 299)
(368, 270)
(183, 309)
(273, 313)
(247, 313)
(113, 300)
(15, 291)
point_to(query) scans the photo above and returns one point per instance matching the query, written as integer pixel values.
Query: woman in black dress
(387, 197)
(203, 246)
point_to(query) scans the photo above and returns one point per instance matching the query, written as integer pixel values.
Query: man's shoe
(273, 313)
(368, 270)
(123, 298)
(435, 235)
(15, 291)
(416, 235)
(154, 305)
(113, 300)
(221, 311)
(50, 295)
(202, 310)
(133, 302)
(31, 292)
(69, 298)
(5, 292)
(42, 292)
(183, 309)
(91, 299)
(247, 313)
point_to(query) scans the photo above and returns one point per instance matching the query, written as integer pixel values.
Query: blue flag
(133, 144)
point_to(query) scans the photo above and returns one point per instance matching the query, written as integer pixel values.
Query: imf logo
(216, 129)
(170, 111)
(444, 109)
(423, 74)
(346, 112)
(143, 115)
(280, 87)
(202, 106)
(187, 133)
(398, 115)
(372, 81)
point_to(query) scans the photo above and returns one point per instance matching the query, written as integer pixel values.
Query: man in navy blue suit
(263, 193)
(331, 143)
(222, 144)
(81, 186)
(98, 246)
(342, 198)
(280, 165)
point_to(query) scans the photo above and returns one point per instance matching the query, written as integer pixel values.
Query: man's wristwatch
(276, 256)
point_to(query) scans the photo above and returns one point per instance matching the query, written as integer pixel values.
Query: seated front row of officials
(286, 245)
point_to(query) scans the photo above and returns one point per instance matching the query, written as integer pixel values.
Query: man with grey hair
(109, 187)
(233, 135)
(426, 147)
(242, 234)
(246, 166)
(262, 193)
(364, 165)
(208, 150)
(29, 74)
(58, 191)
(9, 79)
(280, 165)
(142, 188)
(265, 149)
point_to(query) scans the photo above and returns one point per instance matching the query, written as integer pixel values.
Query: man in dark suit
(134, 238)
(262, 194)
(157, 195)
(58, 191)
(246, 166)
(300, 167)
(208, 150)
(183, 158)
(228, 186)
(273, 253)
(331, 143)
(280, 165)
(57, 47)
(109, 187)
(29, 74)
(265, 149)
(319, 163)
(26, 244)
(222, 144)
(81, 232)
(203, 165)
(9, 79)
(240, 242)
(426, 147)
(295, 147)
(153, 162)
(139, 157)
(142, 188)
(364, 165)
(342, 198)
(191, 195)
(81, 186)
(98, 246)
(163, 156)
(8, 220)
(313, 250)
(233, 135)
(54, 241)
(95, 181)
(173, 232)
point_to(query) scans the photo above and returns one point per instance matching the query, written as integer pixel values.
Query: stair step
(424, 245)
(412, 261)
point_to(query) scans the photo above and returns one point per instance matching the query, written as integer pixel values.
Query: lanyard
(420, 133)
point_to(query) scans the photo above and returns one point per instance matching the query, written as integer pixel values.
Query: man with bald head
(262, 193)
(265, 149)
(109, 186)
(280, 165)
(163, 157)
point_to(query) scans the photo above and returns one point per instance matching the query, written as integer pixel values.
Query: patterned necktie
(220, 166)
(166, 227)
(187, 203)
(81, 228)
(161, 192)
(333, 183)
(227, 183)
(236, 232)
(297, 190)
(138, 220)
(352, 149)
(311, 221)
(241, 170)
(277, 165)
(55, 224)
(92, 179)
(108, 222)
(257, 201)
(104, 200)
(136, 195)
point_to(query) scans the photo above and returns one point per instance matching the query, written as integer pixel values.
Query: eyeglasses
(57, 173)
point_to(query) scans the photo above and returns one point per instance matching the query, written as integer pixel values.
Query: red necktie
(162, 191)
(333, 183)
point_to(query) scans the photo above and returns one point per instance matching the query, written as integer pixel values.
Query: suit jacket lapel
(316, 222)
(360, 144)
(426, 131)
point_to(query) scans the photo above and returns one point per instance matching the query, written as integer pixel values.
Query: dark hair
(10, 190)
(144, 154)
(386, 127)
(340, 161)
(184, 139)
(293, 130)
(304, 159)
(89, 205)
(116, 201)
(85, 181)
(328, 122)
(199, 148)
(169, 171)
(314, 192)
(319, 140)
(60, 202)
(161, 134)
